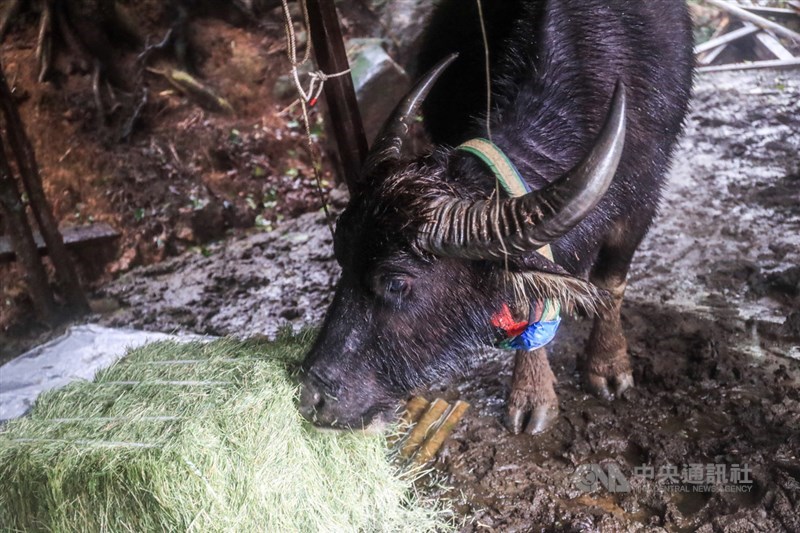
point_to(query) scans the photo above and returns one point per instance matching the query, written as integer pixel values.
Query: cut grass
(211, 441)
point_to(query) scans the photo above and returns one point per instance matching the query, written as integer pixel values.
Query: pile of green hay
(198, 437)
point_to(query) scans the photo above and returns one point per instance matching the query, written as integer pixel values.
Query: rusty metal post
(345, 117)
(31, 178)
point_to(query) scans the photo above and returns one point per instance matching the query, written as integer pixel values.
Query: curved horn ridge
(492, 229)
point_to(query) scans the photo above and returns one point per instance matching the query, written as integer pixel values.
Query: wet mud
(699, 399)
(713, 321)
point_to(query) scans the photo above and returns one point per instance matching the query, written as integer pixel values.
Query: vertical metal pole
(326, 37)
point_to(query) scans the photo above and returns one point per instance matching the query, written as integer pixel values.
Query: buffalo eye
(397, 287)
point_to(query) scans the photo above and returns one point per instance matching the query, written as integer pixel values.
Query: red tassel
(505, 321)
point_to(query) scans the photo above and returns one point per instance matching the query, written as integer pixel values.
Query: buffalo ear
(533, 276)
(534, 261)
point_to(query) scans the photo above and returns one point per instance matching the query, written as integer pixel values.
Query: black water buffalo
(588, 98)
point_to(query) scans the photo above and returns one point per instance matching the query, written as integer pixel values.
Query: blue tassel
(536, 335)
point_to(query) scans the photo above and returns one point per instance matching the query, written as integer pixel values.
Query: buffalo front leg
(606, 366)
(532, 404)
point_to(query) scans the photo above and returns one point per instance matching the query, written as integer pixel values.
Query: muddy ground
(185, 175)
(713, 321)
(712, 313)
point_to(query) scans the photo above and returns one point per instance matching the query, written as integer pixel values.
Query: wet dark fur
(554, 68)
(554, 77)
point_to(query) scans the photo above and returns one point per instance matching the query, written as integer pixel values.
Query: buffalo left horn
(388, 147)
(492, 229)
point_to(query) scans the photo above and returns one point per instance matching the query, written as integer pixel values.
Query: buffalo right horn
(493, 229)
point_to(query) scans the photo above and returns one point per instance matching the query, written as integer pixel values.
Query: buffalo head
(426, 260)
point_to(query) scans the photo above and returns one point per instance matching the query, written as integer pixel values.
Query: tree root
(130, 124)
(91, 29)
(98, 98)
(44, 41)
(196, 89)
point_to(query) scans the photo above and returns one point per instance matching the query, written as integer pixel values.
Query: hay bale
(197, 437)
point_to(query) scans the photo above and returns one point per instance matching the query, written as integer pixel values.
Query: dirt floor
(712, 312)
(185, 176)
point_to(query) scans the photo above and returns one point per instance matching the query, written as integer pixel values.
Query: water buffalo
(588, 98)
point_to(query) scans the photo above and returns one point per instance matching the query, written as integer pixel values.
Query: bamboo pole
(345, 117)
(726, 38)
(21, 235)
(776, 12)
(31, 178)
(772, 47)
(416, 406)
(426, 424)
(434, 442)
(761, 22)
(774, 63)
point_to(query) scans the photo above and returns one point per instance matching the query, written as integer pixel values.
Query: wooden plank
(76, 237)
(744, 31)
(761, 22)
(775, 63)
(772, 46)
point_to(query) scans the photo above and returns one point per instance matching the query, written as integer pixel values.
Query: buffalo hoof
(532, 419)
(608, 388)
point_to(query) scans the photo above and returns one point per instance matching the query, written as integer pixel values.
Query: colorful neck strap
(540, 327)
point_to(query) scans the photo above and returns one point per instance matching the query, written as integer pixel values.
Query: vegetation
(198, 437)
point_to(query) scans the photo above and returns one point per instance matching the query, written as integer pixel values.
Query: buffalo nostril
(311, 400)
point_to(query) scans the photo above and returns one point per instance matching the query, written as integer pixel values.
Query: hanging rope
(488, 72)
(318, 79)
(308, 97)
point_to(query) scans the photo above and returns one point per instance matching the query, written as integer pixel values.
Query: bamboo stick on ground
(771, 47)
(726, 38)
(434, 442)
(194, 88)
(414, 410)
(426, 423)
(415, 407)
(781, 13)
(707, 58)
